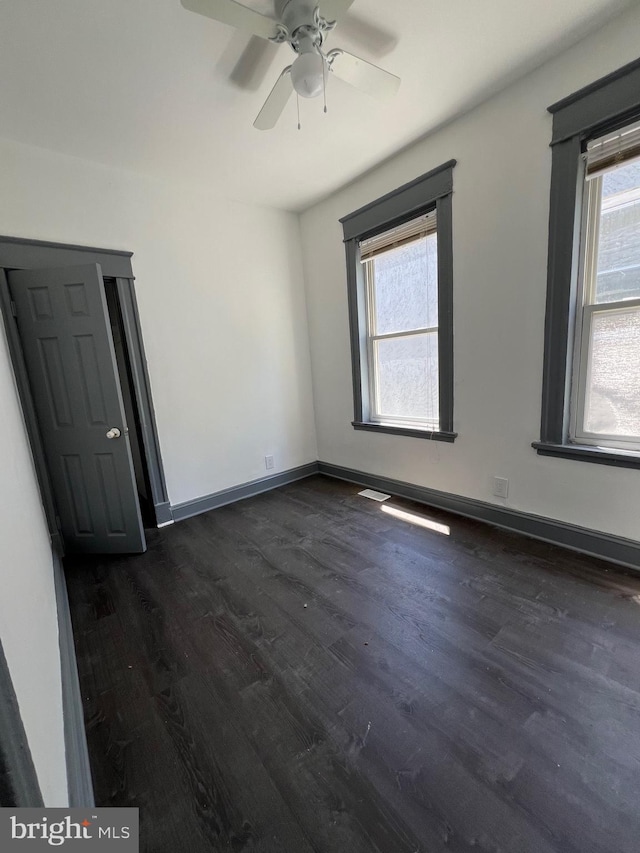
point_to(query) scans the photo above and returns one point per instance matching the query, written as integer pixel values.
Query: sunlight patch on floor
(418, 520)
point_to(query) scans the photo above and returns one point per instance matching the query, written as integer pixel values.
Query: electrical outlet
(500, 487)
(269, 462)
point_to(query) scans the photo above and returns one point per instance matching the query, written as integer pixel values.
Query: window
(399, 260)
(591, 382)
(606, 393)
(401, 278)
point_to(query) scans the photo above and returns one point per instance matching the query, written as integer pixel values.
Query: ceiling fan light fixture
(307, 74)
(302, 25)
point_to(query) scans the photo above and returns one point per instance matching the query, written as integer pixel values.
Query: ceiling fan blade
(276, 102)
(236, 15)
(362, 74)
(332, 10)
(253, 63)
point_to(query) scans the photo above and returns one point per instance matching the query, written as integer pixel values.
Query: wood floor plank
(477, 691)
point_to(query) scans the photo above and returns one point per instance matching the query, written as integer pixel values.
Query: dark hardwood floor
(303, 672)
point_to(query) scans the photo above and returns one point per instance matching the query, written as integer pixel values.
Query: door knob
(114, 432)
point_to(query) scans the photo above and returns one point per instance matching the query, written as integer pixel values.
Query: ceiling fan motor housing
(300, 19)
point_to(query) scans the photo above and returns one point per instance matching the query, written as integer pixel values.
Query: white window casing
(602, 156)
(371, 249)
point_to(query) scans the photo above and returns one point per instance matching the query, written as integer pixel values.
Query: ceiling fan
(303, 26)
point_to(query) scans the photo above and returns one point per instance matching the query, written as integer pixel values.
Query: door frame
(19, 253)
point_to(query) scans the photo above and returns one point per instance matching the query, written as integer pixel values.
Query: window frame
(370, 307)
(431, 191)
(603, 106)
(586, 309)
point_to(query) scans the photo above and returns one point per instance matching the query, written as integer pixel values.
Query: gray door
(68, 351)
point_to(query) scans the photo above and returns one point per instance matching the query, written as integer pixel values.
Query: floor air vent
(373, 495)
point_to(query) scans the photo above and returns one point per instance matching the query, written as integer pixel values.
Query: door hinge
(14, 308)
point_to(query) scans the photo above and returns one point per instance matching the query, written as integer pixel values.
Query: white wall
(221, 305)
(28, 619)
(500, 209)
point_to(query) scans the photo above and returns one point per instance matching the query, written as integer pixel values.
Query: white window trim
(375, 415)
(589, 233)
(586, 309)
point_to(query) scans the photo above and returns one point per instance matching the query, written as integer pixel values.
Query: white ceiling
(146, 85)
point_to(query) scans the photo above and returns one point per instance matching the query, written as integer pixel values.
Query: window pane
(406, 287)
(407, 374)
(612, 402)
(618, 275)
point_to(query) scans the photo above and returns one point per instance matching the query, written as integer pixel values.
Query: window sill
(587, 453)
(412, 432)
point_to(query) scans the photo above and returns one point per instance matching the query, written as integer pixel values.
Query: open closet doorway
(131, 409)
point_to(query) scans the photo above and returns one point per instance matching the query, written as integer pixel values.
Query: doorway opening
(132, 412)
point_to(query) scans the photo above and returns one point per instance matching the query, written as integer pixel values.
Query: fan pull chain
(298, 105)
(324, 84)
